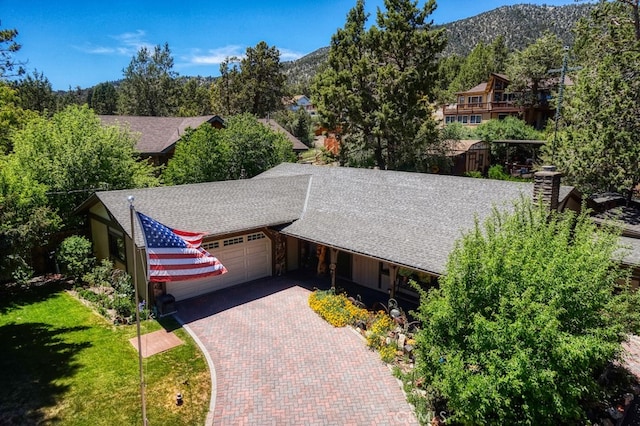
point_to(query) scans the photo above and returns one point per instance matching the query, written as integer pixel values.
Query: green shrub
(121, 283)
(123, 306)
(474, 174)
(520, 333)
(21, 272)
(497, 172)
(100, 275)
(75, 256)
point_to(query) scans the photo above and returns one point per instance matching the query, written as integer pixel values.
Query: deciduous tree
(243, 149)
(12, 116)
(530, 311)
(73, 155)
(202, 155)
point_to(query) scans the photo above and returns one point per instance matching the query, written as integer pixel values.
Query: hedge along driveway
(278, 362)
(63, 363)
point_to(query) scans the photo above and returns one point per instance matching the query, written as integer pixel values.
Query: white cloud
(289, 55)
(213, 56)
(127, 44)
(218, 55)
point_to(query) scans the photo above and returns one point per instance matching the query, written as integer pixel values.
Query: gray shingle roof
(411, 219)
(157, 134)
(215, 208)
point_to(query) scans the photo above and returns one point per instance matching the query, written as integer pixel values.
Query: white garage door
(247, 257)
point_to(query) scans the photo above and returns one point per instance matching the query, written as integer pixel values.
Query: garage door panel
(186, 289)
(256, 248)
(245, 261)
(235, 253)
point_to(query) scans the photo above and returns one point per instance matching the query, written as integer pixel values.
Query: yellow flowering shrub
(336, 309)
(387, 353)
(380, 327)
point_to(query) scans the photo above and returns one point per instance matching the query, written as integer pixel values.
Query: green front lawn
(63, 363)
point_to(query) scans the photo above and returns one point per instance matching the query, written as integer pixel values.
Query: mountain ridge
(520, 24)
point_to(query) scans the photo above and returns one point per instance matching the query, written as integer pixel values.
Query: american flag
(175, 255)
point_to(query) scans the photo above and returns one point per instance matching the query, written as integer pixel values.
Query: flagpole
(135, 286)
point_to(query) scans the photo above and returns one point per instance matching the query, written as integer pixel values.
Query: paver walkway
(278, 363)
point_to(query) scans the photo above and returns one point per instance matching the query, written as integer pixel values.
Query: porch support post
(393, 274)
(333, 259)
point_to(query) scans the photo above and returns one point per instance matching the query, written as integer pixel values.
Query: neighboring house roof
(159, 134)
(480, 88)
(410, 219)
(485, 86)
(298, 146)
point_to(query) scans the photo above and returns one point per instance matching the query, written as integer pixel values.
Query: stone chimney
(546, 185)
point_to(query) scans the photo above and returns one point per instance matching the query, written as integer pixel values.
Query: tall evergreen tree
(379, 84)
(194, 98)
(528, 69)
(103, 99)
(346, 94)
(9, 67)
(254, 84)
(149, 87)
(261, 80)
(599, 149)
(225, 90)
(35, 93)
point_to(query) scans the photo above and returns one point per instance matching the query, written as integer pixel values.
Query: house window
(476, 119)
(254, 237)
(499, 85)
(502, 116)
(475, 100)
(464, 119)
(211, 245)
(233, 241)
(450, 119)
(461, 100)
(116, 246)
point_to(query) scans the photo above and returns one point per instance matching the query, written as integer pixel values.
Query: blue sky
(83, 43)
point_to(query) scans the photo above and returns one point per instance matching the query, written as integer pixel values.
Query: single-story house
(159, 135)
(371, 227)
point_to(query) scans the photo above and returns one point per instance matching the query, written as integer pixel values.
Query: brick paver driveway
(277, 362)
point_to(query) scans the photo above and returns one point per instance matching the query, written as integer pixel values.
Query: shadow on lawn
(35, 357)
(14, 295)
